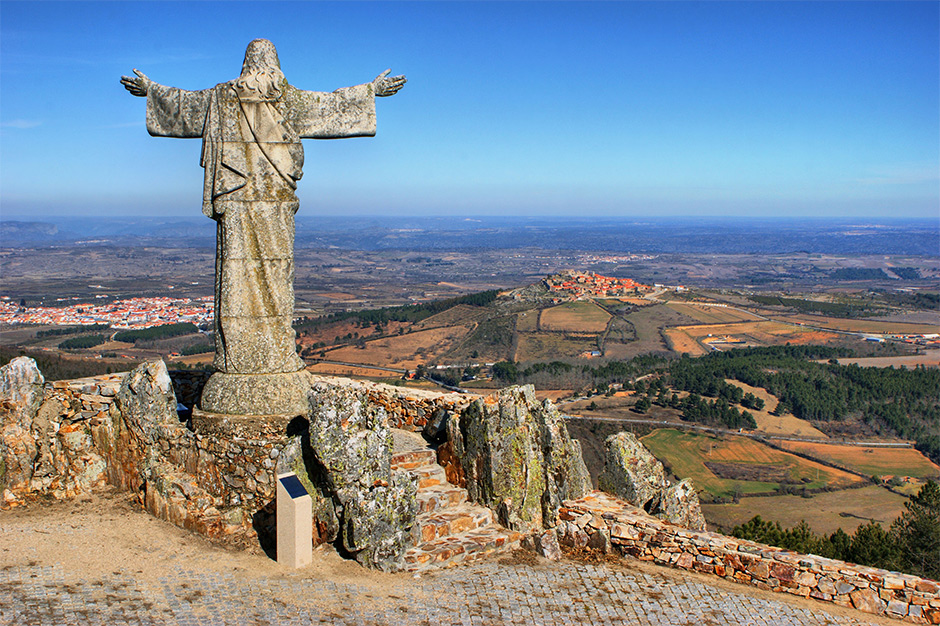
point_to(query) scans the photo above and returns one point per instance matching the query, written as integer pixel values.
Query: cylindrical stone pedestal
(256, 394)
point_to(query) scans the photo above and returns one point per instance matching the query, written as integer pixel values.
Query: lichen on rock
(147, 400)
(351, 445)
(679, 504)
(631, 472)
(21, 392)
(518, 458)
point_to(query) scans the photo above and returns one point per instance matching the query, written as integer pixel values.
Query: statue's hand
(385, 86)
(137, 86)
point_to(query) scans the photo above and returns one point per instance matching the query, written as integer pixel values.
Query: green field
(743, 465)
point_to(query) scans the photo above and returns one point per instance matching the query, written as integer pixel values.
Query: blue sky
(533, 108)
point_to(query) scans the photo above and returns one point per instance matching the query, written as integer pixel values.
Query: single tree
(872, 545)
(917, 532)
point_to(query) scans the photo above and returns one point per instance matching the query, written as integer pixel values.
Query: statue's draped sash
(253, 158)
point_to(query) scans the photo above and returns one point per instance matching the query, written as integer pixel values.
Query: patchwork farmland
(728, 465)
(872, 461)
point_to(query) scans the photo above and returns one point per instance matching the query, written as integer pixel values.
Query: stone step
(429, 476)
(468, 546)
(448, 529)
(439, 497)
(413, 459)
(451, 521)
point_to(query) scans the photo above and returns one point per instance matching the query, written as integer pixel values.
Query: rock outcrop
(631, 472)
(351, 445)
(21, 385)
(679, 504)
(517, 458)
(148, 402)
(21, 391)
(47, 433)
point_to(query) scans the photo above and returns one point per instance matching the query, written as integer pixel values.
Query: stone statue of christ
(251, 129)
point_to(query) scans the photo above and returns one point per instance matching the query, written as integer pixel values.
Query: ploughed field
(869, 460)
(730, 465)
(575, 317)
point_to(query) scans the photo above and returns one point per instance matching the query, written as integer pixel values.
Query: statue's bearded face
(261, 71)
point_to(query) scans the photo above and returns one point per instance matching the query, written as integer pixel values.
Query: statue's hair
(261, 71)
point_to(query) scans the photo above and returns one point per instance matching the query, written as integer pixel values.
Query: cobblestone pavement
(481, 594)
(52, 573)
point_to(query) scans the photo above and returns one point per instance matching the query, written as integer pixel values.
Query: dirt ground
(106, 537)
(127, 538)
(929, 359)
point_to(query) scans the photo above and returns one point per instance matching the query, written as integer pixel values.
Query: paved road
(110, 565)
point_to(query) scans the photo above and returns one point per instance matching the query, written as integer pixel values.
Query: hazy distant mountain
(185, 232)
(21, 232)
(658, 236)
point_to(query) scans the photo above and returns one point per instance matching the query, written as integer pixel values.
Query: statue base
(256, 394)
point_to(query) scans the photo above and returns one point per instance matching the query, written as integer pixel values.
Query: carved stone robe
(253, 158)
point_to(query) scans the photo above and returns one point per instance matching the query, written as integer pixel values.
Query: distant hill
(568, 316)
(175, 232)
(26, 232)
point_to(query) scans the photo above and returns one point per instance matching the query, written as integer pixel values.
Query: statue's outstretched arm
(383, 85)
(137, 86)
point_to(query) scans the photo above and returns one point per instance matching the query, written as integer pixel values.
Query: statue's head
(261, 71)
(260, 53)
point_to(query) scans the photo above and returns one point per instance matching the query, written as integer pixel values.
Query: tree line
(406, 313)
(71, 330)
(895, 401)
(835, 309)
(904, 402)
(156, 332)
(79, 343)
(55, 367)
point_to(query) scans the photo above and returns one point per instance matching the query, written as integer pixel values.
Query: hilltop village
(576, 284)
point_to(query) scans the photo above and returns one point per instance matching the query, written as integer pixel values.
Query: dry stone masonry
(380, 493)
(599, 519)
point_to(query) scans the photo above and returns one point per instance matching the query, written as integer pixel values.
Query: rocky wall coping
(632, 531)
(106, 385)
(398, 392)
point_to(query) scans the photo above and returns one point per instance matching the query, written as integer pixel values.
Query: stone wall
(604, 522)
(123, 429)
(407, 409)
(47, 442)
(208, 473)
